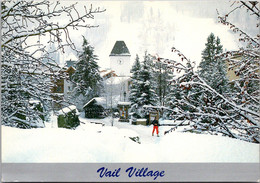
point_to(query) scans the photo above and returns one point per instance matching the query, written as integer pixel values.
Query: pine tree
(86, 76)
(212, 69)
(143, 87)
(134, 92)
(146, 84)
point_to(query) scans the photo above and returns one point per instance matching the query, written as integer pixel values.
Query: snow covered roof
(104, 73)
(68, 109)
(69, 69)
(141, 119)
(104, 103)
(120, 48)
(99, 100)
(124, 103)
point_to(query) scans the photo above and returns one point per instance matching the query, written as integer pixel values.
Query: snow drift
(94, 143)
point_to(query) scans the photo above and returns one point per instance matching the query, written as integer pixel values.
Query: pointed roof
(70, 63)
(120, 48)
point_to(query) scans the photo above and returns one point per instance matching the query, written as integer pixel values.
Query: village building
(68, 85)
(64, 87)
(95, 108)
(107, 73)
(116, 79)
(120, 59)
(120, 64)
(232, 72)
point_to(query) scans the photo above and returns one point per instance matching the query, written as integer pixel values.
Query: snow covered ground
(92, 142)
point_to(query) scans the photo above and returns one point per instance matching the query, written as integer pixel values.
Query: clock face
(120, 62)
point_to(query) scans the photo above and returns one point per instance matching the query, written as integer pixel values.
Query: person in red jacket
(155, 126)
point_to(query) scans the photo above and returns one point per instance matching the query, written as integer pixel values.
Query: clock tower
(120, 59)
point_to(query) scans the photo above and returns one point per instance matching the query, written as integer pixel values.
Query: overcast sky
(157, 26)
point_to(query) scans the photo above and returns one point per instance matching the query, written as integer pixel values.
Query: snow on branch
(235, 112)
(28, 18)
(28, 70)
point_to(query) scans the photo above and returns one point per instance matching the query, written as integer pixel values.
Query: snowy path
(144, 132)
(182, 147)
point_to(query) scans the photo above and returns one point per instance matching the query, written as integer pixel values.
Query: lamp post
(124, 96)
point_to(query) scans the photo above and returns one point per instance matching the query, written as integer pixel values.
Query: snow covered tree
(161, 75)
(235, 113)
(146, 84)
(143, 87)
(179, 94)
(26, 81)
(245, 63)
(134, 90)
(213, 69)
(87, 77)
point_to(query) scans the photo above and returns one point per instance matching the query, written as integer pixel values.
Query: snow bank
(89, 144)
(94, 143)
(188, 147)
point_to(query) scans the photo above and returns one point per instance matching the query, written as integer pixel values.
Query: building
(95, 108)
(231, 72)
(235, 62)
(116, 79)
(107, 73)
(120, 59)
(118, 82)
(65, 86)
(68, 85)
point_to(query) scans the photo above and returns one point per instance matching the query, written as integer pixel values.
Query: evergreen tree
(212, 69)
(146, 84)
(86, 76)
(143, 87)
(134, 92)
